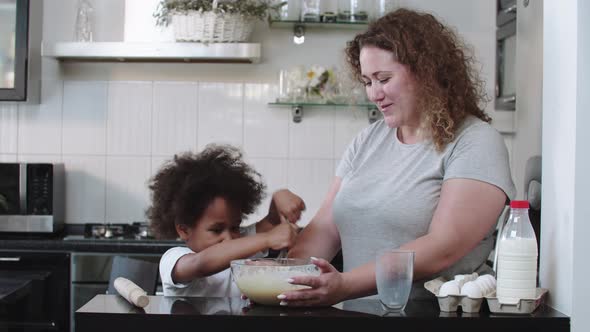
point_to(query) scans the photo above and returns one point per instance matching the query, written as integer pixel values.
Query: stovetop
(107, 231)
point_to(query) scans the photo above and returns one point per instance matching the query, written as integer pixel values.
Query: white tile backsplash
(7, 158)
(40, 125)
(265, 127)
(220, 113)
(136, 116)
(274, 175)
(8, 128)
(84, 117)
(174, 122)
(85, 189)
(129, 118)
(116, 135)
(313, 137)
(126, 188)
(157, 163)
(310, 179)
(40, 158)
(347, 124)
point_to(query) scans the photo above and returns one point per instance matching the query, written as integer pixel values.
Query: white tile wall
(113, 125)
(313, 137)
(8, 128)
(126, 188)
(310, 179)
(265, 128)
(39, 158)
(114, 136)
(221, 116)
(85, 189)
(84, 117)
(174, 121)
(348, 123)
(129, 118)
(7, 158)
(274, 175)
(40, 126)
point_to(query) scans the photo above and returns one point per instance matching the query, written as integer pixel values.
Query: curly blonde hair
(449, 87)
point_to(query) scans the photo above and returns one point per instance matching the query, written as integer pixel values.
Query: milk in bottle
(517, 256)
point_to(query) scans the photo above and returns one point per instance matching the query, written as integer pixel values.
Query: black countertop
(79, 244)
(112, 313)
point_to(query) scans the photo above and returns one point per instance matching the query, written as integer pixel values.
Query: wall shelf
(297, 109)
(153, 52)
(336, 25)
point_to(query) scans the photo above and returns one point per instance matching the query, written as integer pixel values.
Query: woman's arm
(320, 238)
(466, 212)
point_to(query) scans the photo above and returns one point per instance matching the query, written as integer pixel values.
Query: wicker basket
(209, 27)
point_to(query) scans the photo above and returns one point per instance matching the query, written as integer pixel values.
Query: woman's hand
(287, 204)
(326, 289)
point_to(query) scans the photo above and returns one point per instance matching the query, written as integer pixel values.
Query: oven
(91, 271)
(44, 304)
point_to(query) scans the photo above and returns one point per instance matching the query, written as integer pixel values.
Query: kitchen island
(113, 313)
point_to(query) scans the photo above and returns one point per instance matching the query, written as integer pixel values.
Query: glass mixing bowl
(262, 279)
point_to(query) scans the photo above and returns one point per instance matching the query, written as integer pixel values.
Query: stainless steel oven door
(90, 273)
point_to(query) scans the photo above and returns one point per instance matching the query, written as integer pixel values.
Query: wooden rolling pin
(131, 292)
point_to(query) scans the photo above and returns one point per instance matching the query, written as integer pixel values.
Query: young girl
(202, 198)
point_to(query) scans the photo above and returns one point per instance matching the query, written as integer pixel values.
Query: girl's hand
(287, 204)
(326, 289)
(282, 236)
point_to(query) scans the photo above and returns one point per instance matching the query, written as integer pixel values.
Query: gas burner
(136, 230)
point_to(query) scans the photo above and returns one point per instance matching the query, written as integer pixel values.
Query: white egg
(491, 279)
(449, 288)
(472, 289)
(460, 277)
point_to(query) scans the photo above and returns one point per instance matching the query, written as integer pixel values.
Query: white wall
(526, 141)
(581, 268)
(566, 159)
(113, 124)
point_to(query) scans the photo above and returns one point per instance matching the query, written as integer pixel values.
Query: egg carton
(450, 303)
(519, 306)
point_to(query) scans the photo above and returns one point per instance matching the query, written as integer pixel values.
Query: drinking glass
(394, 271)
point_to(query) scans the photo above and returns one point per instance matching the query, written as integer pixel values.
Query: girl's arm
(217, 257)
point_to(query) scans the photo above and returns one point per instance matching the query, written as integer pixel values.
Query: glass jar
(310, 12)
(84, 21)
(352, 11)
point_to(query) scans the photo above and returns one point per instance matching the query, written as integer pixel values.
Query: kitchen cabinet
(45, 305)
(373, 113)
(14, 49)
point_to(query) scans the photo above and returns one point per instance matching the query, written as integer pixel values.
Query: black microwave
(31, 197)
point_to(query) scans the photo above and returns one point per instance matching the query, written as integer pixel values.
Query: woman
(432, 176)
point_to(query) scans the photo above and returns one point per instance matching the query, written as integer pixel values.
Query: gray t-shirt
(390, 190)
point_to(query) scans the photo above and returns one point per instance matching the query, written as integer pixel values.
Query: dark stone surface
(112, 313)
(88, 245)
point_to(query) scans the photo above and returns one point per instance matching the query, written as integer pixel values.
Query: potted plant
(214, 20)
